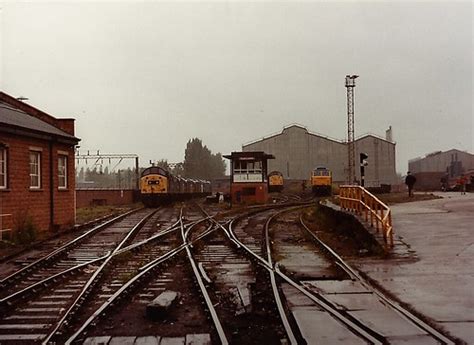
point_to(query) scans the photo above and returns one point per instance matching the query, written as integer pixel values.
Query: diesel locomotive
(321, 181)
(275, 181)
(158, 186)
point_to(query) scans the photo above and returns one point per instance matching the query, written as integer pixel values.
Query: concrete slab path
(438, 280)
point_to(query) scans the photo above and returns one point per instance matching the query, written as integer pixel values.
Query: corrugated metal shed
(298, 151)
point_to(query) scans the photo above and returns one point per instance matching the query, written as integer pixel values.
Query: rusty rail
(360, 201)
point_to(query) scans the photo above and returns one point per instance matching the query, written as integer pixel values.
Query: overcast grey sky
(145, 77)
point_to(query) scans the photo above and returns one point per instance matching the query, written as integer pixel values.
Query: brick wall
(20, 200)
(259, 193)
(428, 180)
(92, 197)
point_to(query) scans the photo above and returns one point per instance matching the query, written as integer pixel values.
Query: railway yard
(197, 273)
(207, 173)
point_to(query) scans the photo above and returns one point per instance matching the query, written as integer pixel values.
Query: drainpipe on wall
(51, 187)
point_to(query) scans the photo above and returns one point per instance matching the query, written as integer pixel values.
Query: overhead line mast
(350, 84)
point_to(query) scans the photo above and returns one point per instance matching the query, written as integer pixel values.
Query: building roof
(249, 155)
(16, 118)
(437, 153)
(301, 127)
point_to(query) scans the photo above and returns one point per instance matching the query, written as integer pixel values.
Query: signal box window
(35, 170)
(247, 171)
(3, 168)
(62, 172)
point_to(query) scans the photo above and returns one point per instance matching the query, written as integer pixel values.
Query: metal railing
(357, 199)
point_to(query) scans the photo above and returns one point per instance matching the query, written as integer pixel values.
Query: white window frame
(62, 171)
(3, 168)
(248, 171)
(38, 170)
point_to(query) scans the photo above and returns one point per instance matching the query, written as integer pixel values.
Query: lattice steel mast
(350, 84)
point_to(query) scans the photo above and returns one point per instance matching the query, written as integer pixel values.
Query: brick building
(37, 173)
(248, 177)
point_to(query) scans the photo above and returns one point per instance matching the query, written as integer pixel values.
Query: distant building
(297, 152)
(453, 162)
(37, 173)
(449, 165)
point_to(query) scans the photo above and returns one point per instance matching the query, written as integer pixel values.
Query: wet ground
(437, 279)
(430, 270)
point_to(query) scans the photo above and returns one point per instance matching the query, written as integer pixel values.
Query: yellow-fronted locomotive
(321, 181)
(275, 181)
(158, 186)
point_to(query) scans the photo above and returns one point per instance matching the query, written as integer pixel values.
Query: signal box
(248, 177)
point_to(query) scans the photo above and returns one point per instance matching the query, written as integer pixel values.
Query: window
(248, 171)
(321, 172)
(35, 169)
(3, 168)
(62, 172)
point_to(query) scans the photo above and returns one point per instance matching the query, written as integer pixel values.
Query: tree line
(199, 163)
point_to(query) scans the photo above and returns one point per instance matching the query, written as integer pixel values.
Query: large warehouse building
(453, 162)
(448, 165)
(297, 152)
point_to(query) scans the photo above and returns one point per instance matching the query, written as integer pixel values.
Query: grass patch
(87, 214)
(25, 231)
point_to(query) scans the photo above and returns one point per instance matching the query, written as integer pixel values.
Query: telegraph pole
(350, 84)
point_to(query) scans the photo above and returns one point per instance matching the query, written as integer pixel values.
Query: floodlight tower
(350, 84)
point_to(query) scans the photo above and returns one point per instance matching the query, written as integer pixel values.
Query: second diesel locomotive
(275, 181)
(321, 181)
(158, 186)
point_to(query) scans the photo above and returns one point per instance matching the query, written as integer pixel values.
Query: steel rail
(210, 306)
(164, 232)
(396, 306)
(331, 309)
(60, 250)
(276, 293)
(93, 280)
(190, 226)
(143, 271)
(17, 294)
(179, 248)
(176, 226)
(217, 223)
(9, 299)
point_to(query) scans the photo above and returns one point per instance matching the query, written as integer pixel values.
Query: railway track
(261, 276)
(167, 271)
(199, 232)
(239, 289)
(42, 311)
(86, 247)
(424, 332)
(318, 286)
(27, 256)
